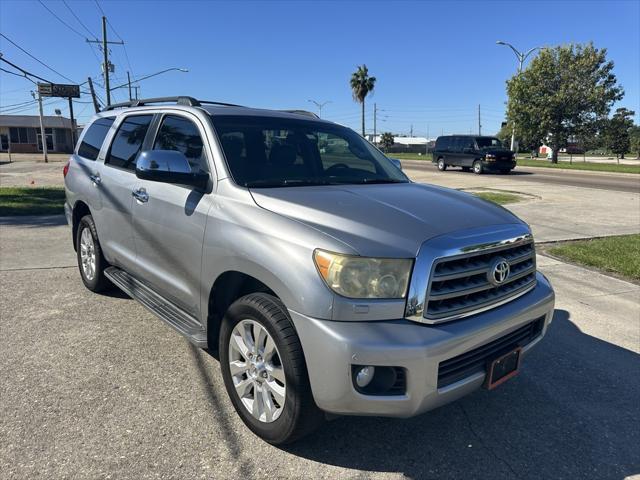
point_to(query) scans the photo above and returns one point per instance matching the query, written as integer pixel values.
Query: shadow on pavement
(572, 413)
(34, 221)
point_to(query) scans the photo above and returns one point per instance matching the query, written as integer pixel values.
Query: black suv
(473, 152)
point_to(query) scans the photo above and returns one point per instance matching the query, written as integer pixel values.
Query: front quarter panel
(243, 237)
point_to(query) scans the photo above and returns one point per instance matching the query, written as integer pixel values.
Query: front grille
(461, 285)
(473, 361)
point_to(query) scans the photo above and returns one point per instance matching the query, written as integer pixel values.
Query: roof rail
(189, 101)
(302, 112)
(181, 100)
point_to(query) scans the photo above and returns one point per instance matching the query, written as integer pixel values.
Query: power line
(61, 21)
(36, 59)
(78, 19)
(25, 72)
(124, 47)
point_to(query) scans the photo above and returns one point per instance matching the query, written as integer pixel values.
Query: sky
(435, 62)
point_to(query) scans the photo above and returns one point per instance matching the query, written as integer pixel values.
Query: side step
(167, 311)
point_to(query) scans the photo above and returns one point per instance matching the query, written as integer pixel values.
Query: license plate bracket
(502, 368)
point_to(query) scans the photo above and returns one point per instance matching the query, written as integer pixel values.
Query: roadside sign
(59, 90)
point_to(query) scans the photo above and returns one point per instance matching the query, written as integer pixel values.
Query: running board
(174, 316)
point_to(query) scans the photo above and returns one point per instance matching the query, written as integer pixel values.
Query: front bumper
(498, 165)
(331, 347)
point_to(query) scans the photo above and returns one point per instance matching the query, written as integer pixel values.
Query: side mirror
(396, 162)
(169, 166)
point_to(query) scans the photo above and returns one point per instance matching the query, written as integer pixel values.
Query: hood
(389, 220)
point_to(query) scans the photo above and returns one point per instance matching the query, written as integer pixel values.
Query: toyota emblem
(499, 271)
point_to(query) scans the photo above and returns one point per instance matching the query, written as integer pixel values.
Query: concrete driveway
(94, 386)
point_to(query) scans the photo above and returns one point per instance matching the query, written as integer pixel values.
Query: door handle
(95, 179)
(141, 195)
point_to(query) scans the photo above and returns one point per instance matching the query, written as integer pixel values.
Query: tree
(634, 140)
(563, 90)
(386, 140)
(361, 85)
(617, 131)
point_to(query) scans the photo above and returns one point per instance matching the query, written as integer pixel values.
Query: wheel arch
(228, 287)
(80, 209)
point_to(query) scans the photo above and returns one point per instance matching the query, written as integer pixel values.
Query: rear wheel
(264, 370)
(477, 167)
(441, 165)
(91, 261)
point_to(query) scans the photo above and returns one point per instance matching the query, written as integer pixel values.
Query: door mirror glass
(396, 162)
(169, 166)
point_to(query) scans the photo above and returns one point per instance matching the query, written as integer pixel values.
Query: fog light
(364, 376)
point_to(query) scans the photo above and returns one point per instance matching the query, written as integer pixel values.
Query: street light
(521, 58)
(319, 105)
(128, 84)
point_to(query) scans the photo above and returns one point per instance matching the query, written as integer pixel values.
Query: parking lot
(94, 386)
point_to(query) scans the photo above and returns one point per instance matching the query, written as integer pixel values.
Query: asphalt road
(603, 181)
(94, 386)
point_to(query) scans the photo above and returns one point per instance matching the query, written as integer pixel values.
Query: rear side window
(442, 143)
(92, 141)
(127, 142)
(179, 133)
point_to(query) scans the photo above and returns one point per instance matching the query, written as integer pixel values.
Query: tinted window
(178, 133)
(488, 142)
(465, 142)
(92, 140)
(442, 143)
(277, 152)
(128, 142)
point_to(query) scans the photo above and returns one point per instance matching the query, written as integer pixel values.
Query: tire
(466, 169)
(441, 165)
(477, 167)
(287, 411)
(91, 261)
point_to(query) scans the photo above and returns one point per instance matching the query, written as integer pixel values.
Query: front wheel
(264, 370)
(477, 167)
(441, 165)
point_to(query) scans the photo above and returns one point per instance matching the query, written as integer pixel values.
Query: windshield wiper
(372, 181)
(270, 183)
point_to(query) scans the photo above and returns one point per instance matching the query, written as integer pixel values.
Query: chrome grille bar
(462, 285)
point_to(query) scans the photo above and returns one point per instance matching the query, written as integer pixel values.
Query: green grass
(619, 255)
(501, 198)
(580, 165)
(577, 164)
(31, 201)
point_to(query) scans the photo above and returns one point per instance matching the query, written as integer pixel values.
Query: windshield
(488, 142)
(283, 152)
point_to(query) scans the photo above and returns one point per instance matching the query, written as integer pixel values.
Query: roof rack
(302, 112)
(181, 100)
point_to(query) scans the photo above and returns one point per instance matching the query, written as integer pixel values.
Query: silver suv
(326, 280)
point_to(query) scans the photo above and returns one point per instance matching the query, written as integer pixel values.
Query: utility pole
(73, 123)
(427, 144)
(96, 105)
(479, 123)
(105, 52)
(43, 136)
(129, 81)
(375, 119)
(411, 131)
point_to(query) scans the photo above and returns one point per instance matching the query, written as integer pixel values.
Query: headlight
(360, 277)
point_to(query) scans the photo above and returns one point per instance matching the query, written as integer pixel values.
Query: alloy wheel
(256, 370)
(87, 254)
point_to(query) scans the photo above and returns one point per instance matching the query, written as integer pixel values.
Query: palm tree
(361, 85)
